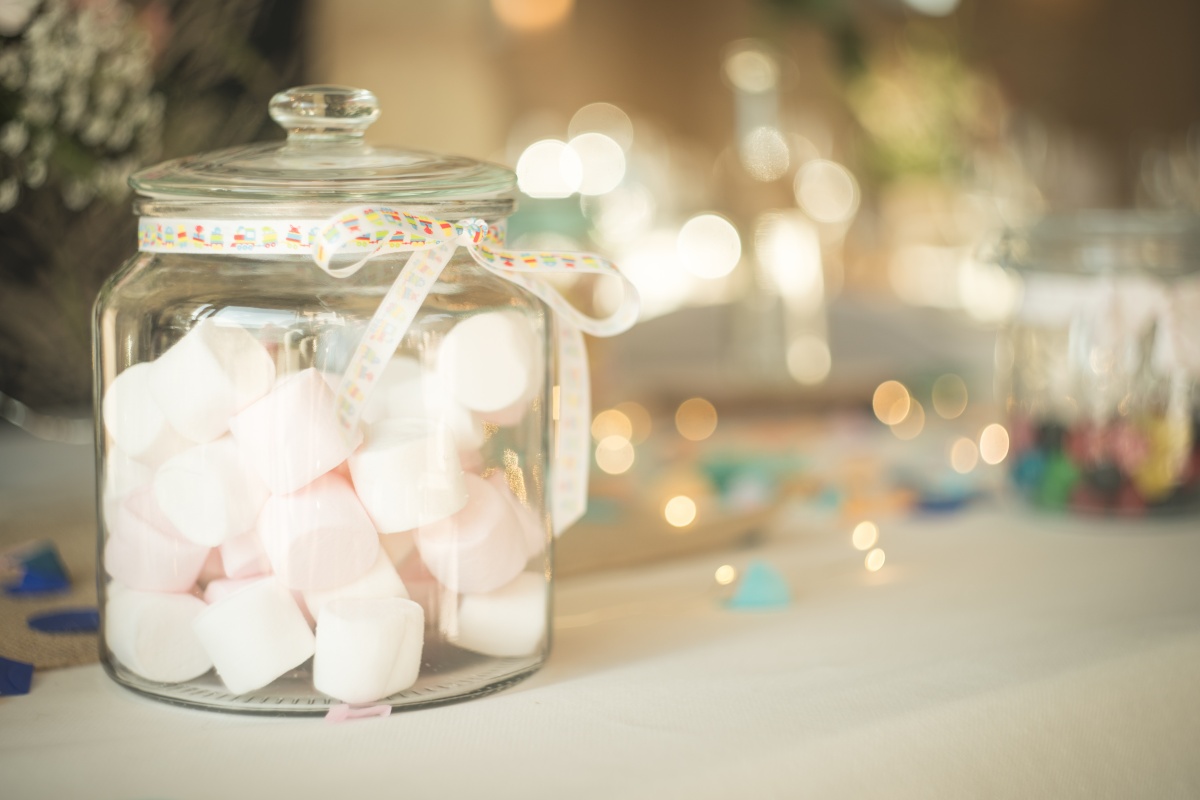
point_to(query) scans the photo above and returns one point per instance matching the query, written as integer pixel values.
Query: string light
(696, 419)
(866, 534)
(614, 455)
(993, 443)
(949, 396)
(891, 402)
(875, 559)
(725, 574)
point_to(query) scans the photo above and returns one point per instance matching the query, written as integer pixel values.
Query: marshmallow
(122, 475)
(319, 537)
(480, 548)
(254, 635)
(150, 633)
(402, 391)
(380, 580)
(407, 474)
(291, 437)
(506, 623)
(209, 375)
(244, 556)
(221, 588)
(396, 393)
(145, 551)
(532, 529)
(491, 361)
(208, 493)
(368, 648)
(134, 420)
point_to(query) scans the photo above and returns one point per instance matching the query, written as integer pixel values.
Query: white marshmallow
(368, 648)
(151, 634)
(532, 529)
(146, 552)
(208, 493)
(134, 420)
(209, 375)
(254, 635)
(480, 548)
(291, 437)
(380, 580)
(221, 588)
(244, 556)
(319, 537)
(396, 393)
(491, 361)
(407, 474)
(505, 623)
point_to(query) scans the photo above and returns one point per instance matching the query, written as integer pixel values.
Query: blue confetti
(15, 677)
(42, 572)
(72, 620)
(761, 588)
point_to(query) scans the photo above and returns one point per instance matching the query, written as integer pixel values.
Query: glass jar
(287, 519)
(1099, 365)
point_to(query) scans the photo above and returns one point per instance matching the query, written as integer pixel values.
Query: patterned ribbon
(379, 231)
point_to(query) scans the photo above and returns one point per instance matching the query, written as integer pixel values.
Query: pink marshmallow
(291, 437)
(319, 537)
(144, 551)
(480, 548)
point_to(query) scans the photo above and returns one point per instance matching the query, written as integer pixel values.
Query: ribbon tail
(571, 460)
(385, 331)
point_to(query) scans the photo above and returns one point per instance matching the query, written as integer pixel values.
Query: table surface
(997, 654)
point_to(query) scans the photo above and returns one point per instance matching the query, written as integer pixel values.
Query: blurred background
(800, 188)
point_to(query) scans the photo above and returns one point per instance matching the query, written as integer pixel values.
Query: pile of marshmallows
(246, 533)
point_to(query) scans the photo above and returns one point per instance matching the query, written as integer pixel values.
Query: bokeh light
(891, 402)
(601, 160)
(764, 154)
(725, 574)
(750, 68)
(993, 443)
(603, 118)
(808, 359)
(549, 168)
(933, 8)
(614, 455)
(696, 419)
(913, 423)
(964, 455)
(529, 16)
(875, 559)
(709, 246)
(826, 191)
(788, 248)
(639, 420)
(622, 215)
(865, 535)
(680, 511)
(949, 396)
(611, 422)
(652, 263)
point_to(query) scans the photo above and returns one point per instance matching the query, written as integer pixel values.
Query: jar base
(293, 695)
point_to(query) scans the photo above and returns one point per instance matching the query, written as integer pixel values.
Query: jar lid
(324, 158)
(1104, 243)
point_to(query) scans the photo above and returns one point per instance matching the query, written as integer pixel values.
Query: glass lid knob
(324, 113)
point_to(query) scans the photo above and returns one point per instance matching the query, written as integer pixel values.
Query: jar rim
(1102, 242)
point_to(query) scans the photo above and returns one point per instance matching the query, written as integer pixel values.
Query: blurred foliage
(90, 91)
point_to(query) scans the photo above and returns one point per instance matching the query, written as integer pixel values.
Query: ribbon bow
(382, 230)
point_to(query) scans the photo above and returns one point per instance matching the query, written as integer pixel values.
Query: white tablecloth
(995, 655)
